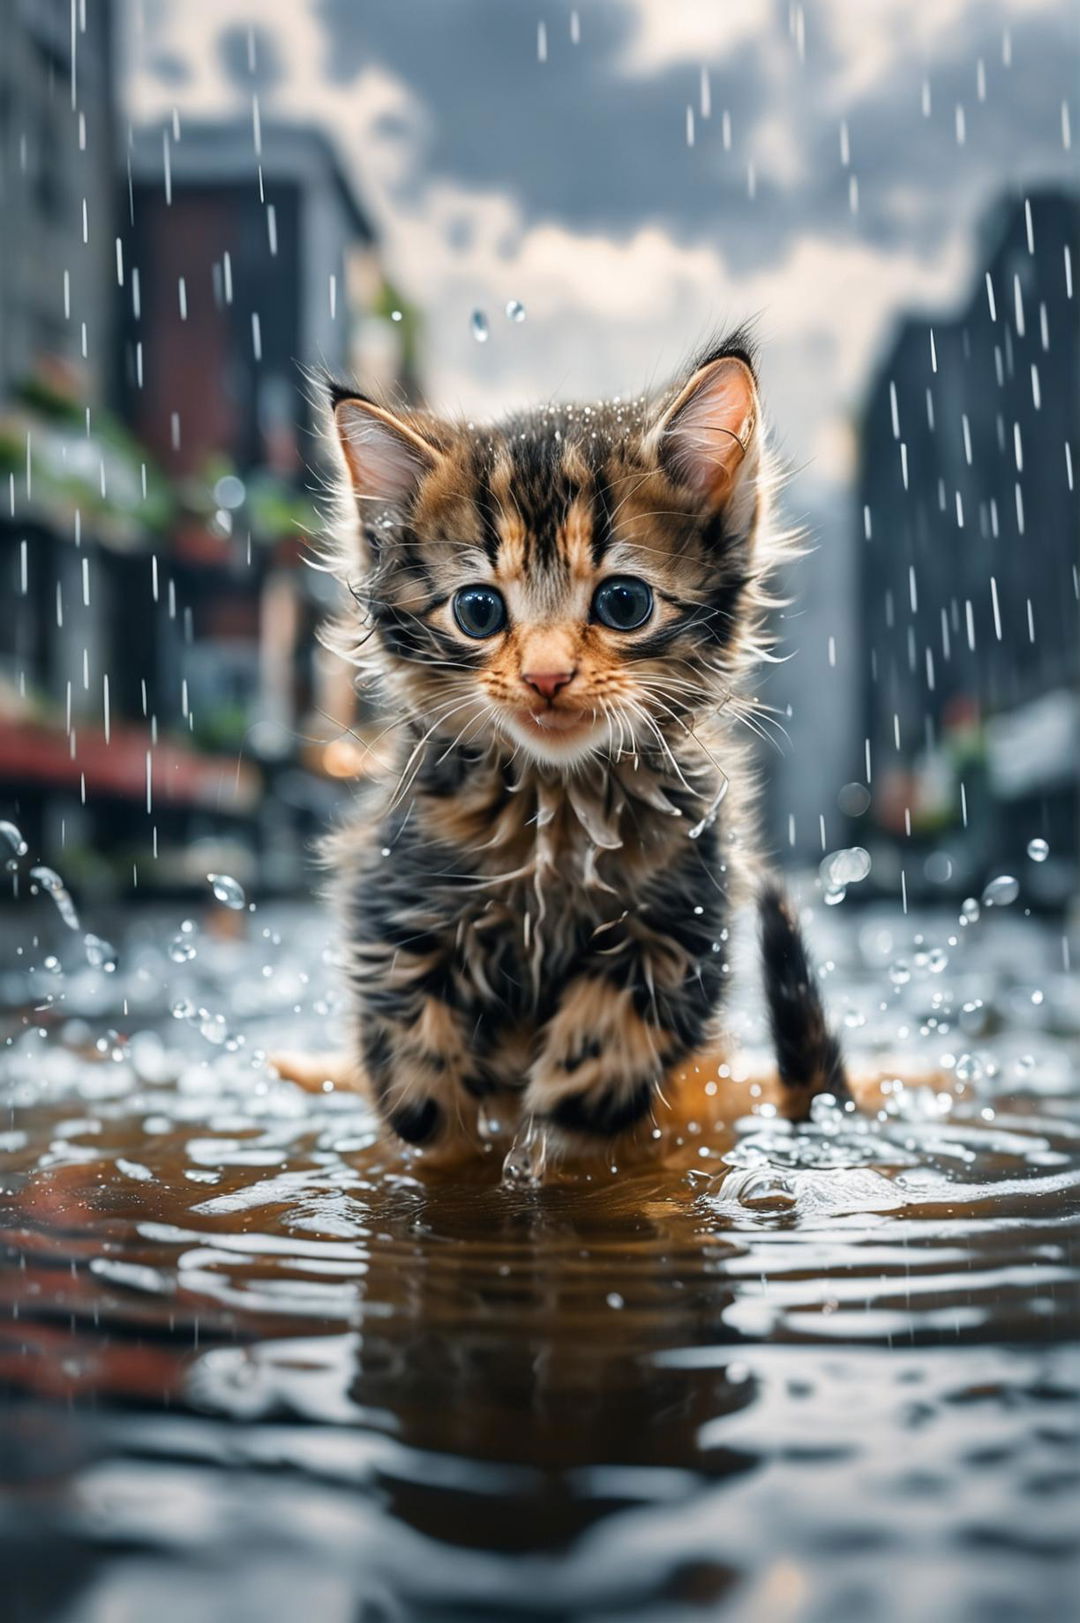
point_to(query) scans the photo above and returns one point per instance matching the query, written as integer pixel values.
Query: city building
(165, 708)
(968, 545)
(253, 270)
(76, 492)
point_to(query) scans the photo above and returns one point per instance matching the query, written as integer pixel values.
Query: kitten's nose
(548, 683)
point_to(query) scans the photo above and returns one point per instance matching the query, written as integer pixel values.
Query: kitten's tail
(808, 1055)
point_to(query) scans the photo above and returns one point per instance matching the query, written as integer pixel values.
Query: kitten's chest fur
(492, 882)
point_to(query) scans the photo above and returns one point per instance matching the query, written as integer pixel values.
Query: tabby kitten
(560, 612)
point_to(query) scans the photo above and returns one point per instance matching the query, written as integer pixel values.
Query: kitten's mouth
(550, 734)
(557, 721)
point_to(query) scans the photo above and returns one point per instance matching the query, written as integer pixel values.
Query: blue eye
(479, 611)
(622, 603)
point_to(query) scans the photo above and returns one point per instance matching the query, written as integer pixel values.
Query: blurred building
(968, 543)
(57, 190)
(164, 706)
(253, 270)
(72, 479)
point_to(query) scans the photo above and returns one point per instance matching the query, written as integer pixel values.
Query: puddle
(256, 1358)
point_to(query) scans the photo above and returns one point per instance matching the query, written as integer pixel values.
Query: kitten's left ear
(708, 438)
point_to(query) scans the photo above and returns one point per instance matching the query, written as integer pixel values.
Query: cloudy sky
(637, 172)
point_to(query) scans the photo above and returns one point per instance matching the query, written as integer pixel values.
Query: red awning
(33, 755)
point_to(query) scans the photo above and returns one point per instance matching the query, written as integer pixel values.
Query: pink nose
(547, 683)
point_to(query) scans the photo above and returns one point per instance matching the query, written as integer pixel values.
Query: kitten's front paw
(600, 1065)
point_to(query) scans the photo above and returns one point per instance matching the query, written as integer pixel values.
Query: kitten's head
(573, 581)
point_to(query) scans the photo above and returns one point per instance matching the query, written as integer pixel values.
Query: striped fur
(535, 903)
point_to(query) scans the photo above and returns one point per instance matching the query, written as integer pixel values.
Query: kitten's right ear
(386, 458)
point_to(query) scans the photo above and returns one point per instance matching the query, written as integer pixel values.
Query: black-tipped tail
(808, 1055)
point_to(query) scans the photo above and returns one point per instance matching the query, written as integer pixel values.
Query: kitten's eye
(623, 603)
(479, 611)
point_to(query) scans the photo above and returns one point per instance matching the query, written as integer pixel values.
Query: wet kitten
(560, 612)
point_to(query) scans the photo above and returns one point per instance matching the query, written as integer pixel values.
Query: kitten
(560, 612)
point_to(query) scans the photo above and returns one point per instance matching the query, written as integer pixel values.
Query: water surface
(260, 1365)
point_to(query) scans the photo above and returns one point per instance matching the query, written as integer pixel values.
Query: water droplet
(969, 911)
(937, 959)
(181, 949)
(49, 880)
(1002, 891)
(13, 836)
(968, 1069)
(900, 972)
(761, 1189)
(613, 1299)
(712, 811)
(834, 895)
(846, 867)
(100, 953)
(212, 1026)
(183, 1009)
(1038, 850)
(515, 310)
(853, 799)
(526, 1158)
(228, 891)
(479, 325)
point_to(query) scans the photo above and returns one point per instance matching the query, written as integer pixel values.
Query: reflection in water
(261, 1365)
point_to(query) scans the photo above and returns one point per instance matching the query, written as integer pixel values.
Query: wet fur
(537, 938)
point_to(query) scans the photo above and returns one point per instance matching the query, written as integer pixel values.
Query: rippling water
(260, 1366)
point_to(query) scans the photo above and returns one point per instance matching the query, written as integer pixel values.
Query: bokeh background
(475, 205)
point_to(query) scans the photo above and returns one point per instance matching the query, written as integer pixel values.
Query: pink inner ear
(711, 426)
(386, 461)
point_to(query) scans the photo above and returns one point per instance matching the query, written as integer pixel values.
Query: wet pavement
(259, 1365)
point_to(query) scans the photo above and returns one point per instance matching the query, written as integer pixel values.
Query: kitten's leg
(422, 1075)
(602, 1063)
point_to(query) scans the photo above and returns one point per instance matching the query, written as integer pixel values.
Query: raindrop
(968, 1069)
(846, 867)
(479, 324)
(711, 813)
(515, 310)
(229, 491)
(1038, 850)
(614, 1300)
(969, 911)
(100, 954)
(900, 972)
(13, 836)
(182, 949)
(213, 1027)
(853, 799)
(1001, 892)
(523, 1166)
(834, 895)
(938, 868)
(762, 1189)
(228, 891)
(49, 880)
